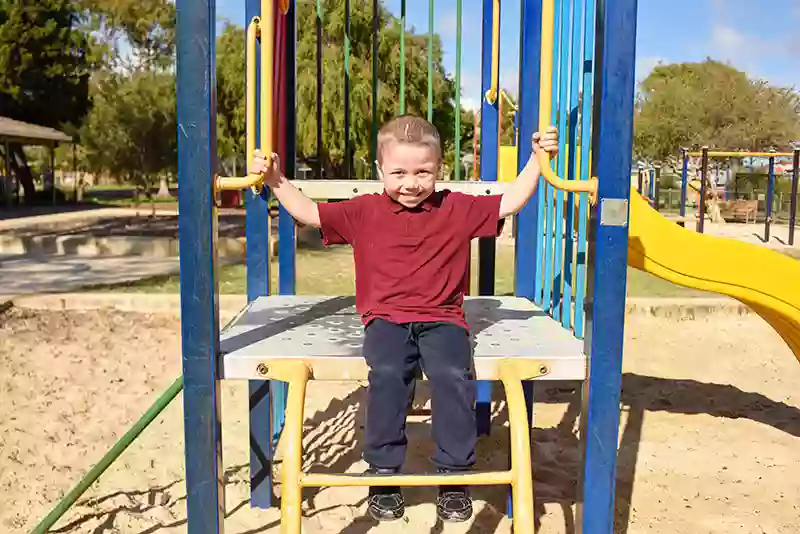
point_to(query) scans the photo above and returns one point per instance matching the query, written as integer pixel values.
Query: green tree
(713, 104)
(46, 58)
(388, 90)
(140, 33)
(231, 97)
(131, 130)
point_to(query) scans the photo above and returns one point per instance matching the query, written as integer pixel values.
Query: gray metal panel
(328, 333)
(341, 189)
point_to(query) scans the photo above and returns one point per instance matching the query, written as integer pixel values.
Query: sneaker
(385, 503)
(454, 504)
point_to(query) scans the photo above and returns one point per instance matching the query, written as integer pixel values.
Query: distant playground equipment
(565, 321)
(705, 195)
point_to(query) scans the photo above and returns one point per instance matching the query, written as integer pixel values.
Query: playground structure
(574, 242)
(707, 199)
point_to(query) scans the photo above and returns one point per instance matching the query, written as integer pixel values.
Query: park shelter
(14, 131)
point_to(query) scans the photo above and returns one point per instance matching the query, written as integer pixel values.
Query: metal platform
(343, 189)
(327, 333)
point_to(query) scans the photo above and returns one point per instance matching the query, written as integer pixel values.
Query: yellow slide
(765, 280)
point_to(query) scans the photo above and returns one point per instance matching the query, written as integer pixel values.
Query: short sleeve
(481, 214)
(341, 221)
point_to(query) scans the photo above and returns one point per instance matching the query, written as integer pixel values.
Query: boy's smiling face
(409, 172)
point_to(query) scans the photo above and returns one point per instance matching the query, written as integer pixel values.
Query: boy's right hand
(267, 167)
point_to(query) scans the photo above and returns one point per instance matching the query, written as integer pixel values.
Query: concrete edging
(668, 308)
(85, 245)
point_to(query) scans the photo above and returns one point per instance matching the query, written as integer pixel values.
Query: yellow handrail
(510, 102)
(491, 93)
(253, 181)
(545, 104)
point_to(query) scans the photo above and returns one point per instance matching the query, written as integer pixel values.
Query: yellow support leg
(297, 374)
(520, 441)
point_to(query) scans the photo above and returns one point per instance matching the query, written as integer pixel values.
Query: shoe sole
(385, 518)
(455, 518)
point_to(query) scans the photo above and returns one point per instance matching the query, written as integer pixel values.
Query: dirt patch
(711, 426)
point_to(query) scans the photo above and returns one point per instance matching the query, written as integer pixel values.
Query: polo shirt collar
(396, 207)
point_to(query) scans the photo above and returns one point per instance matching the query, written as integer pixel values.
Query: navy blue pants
(393, 352)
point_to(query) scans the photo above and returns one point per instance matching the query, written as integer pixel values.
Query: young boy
(412, 246)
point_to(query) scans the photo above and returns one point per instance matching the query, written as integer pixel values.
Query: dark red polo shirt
(411, 264)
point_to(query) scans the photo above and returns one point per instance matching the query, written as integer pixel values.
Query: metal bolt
(262, 369)
(543, 370)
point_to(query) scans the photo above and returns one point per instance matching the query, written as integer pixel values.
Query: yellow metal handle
(545, 104)
(491, 93)
(252, 181)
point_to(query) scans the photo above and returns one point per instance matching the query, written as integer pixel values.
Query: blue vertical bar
(608, 243)
(258, 285)
(563, 117)
(286, 227)
(684, 179)
(549, 215)
(486, 246)
(652, 174)
(585, 163)
(770, 199)
(529, 230)
(196, 79)
(569, 216)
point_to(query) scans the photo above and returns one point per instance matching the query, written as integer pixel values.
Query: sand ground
(711, 419)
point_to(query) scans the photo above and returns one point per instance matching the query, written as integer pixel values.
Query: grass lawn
(330, 272)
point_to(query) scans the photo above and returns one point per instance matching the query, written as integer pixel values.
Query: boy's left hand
(547, 141)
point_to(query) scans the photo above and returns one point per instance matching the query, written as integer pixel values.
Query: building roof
(30, 134)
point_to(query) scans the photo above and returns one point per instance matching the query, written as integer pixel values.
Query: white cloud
(447, 25)
(729, 41)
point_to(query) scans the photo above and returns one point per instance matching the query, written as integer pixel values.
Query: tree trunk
(163, 188)
(19, 166)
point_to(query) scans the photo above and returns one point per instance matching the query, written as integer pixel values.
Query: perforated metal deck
(327, 333)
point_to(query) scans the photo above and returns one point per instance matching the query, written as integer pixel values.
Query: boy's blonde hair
(409, 129)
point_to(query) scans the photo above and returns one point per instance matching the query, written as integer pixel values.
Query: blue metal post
(701, 208)
(286, 227)
(652, 193)
(640, 176)
(684, 180)
(656, 187)
(563, 116)
(258, 285)
(770, 199)
(529, 232)
(489, 148)
(197, 156)
(585, 166)
(616, 31)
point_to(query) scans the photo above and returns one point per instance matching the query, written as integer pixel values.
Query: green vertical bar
(348, 167)
(402, 57)
(430, 60)
(458, 91)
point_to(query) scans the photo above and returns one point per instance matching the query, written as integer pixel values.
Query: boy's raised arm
(521, 189)
(302, 208)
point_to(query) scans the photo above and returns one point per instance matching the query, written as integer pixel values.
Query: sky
(760, 37)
